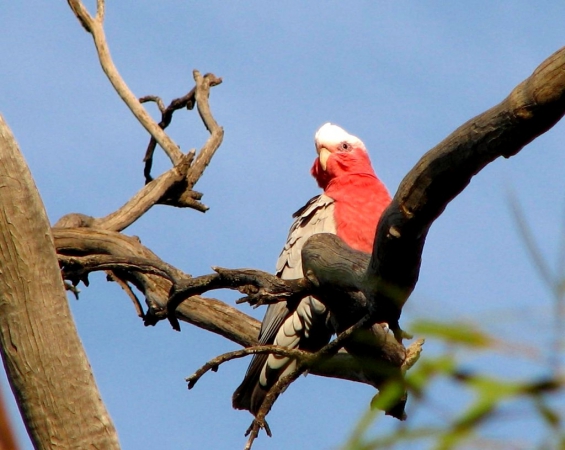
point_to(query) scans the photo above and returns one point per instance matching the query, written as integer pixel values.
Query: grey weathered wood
(43, 356)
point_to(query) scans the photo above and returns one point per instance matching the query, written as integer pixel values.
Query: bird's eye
(345, 147)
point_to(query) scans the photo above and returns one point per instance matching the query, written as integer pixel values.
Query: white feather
(329, 135)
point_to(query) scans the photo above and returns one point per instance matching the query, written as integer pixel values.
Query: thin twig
(303, 364)
(155, 99)
(214, 363)
(278, 388)
(129, 291)
(259, 286)
(187, 101)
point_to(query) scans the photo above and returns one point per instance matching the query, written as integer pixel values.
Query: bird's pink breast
(360, 200)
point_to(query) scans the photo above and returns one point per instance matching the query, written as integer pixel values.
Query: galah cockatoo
(350, 207)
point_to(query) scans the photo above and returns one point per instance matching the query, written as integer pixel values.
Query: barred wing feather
(302, 326)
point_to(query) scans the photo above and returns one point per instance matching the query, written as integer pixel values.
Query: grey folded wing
(303, 325)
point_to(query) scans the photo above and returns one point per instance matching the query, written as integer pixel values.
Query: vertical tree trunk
(43, 356)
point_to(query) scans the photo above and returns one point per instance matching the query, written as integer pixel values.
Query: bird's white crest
(330, 135)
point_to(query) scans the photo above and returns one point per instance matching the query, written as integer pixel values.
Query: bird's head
(339, 153)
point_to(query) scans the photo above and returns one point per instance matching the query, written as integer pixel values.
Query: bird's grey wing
(313, 218)
(289, 325)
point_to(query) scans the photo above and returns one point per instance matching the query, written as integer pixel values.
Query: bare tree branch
(214, 363)
(260, 288)
(162, 109)
(77, 267)
(173, 188)
(203, 85)
(150, 195)
(113, 276)
(209, 314)
(38, 339)
(187, 102)
(531, 109)
(96, 29)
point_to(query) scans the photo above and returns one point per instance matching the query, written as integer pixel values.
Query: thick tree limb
(38, 339)
(209, 314)
(78, 268)
(531, 109)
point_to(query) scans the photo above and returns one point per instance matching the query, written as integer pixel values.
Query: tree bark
(43, 356)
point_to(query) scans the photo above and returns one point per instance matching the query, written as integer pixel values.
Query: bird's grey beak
(323, 155)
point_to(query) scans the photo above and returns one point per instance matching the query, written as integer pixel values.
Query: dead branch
(214, 363)
(308, 361)
(203, 85)
(175, 186)
(305, 362)
(335, 274)
(113, 276)
(531, 109)
(159, 102)
(150, 195)
(187, 101)
(209, 314)
(259, 421)
(77, 268)
(260, 288)
(95, 26)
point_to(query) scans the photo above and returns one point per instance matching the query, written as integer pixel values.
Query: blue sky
(400, 75)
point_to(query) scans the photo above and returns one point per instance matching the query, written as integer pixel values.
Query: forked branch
(199, 93)
(174, 187)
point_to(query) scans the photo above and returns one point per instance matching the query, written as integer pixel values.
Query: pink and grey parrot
(350, 207)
